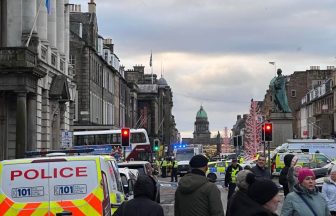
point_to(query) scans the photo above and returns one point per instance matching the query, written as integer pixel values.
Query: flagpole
(34, 24)
(151, 65)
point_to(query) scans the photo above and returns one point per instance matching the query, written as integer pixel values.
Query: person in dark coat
(195, 195)
(283, 178)
(253, 197)
(260, 170)
(143, 203)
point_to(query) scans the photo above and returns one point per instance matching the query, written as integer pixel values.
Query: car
(320, 180)
(144, 168)
(128, 177)
(78, 184)
(216, 170)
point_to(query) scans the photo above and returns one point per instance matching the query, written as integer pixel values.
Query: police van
(310, 160)
(82, 185)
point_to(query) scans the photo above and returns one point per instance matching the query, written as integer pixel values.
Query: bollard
(64, 213)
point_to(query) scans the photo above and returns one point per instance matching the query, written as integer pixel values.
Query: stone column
(42, 21)
(21, 124)
(14, 23)
(28, 15)
(66, 33)
(32, 123)
(52, 24)
(60, 25)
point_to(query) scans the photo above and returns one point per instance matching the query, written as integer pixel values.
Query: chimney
(109, 44)
(92, 6)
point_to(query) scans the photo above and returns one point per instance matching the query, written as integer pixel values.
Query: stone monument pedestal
(282, 128)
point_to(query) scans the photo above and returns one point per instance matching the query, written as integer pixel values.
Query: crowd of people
(251, 192)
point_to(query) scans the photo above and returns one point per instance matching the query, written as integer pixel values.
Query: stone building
(155, 103)
(201, 128)
(104, 99)
(36, 85)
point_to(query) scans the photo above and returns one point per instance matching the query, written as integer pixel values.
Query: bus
(109, 142)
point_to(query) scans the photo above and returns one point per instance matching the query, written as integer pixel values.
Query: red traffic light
(268, 127)
(125, 132)
(125, 137)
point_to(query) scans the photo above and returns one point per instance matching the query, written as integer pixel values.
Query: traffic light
(268, 131)
(156, 145)
(235, 141)
(125, 137)
(240, 140)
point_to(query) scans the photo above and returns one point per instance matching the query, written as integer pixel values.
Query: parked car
(144, 168)
(128, 178)
(216, 170)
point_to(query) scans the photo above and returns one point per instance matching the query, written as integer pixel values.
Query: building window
(53, 59)
(62, 65)
(44, 53)
(293, 93)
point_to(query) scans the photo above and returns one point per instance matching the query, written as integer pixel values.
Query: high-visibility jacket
(164, 163)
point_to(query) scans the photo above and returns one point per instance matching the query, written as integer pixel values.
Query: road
(168, 190)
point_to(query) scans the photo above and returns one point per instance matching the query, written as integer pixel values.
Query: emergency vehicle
(82, 185)
(310, 160)
(216, 169)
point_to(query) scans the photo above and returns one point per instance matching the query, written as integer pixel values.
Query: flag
(47, 3)
(150, 60)
(272, 63)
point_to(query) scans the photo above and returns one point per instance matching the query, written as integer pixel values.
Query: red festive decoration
(252, 135)
(226, 145)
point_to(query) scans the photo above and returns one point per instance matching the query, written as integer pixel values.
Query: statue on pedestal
(279, 97)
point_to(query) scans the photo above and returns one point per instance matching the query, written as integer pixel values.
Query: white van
(82, 185)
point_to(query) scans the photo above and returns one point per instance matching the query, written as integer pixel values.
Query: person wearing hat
(143, 203)
(283, 178)
(195, 195)
(254, 197)
(239, 198)
(305, 200)
(329, 191)
(230, 179)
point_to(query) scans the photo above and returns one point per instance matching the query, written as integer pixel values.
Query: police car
(216, 170)
(82, 185)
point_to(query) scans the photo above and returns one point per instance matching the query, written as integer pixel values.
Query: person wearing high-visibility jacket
(231, 177)
(164, 164)
(174, 165)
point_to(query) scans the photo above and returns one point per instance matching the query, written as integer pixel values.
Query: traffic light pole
(269, 156)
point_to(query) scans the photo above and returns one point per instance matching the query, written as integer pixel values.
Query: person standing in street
(329, 191)
(283, 178)
(143, 203)
(259, 170)
(195, 195)
(231, 177)
(305, 200)
(164, 164)
(174, 170)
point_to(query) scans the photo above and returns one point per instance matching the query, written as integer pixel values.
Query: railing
(17, 57)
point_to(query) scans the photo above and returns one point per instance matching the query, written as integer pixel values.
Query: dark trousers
(163, 172)
(232, 187)
(174, 174)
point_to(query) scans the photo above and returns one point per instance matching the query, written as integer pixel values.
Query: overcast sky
(216, 53)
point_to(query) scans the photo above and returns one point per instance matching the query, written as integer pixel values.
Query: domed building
(201, 128)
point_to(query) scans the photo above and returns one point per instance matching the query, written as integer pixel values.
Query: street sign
(66, 139)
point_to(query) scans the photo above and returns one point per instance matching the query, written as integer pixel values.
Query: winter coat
(228, 173)
(295, 206)
(329, 193)
(261, 172)
(195, 195)
(241, 204)
(143, 203)
(283, 178)
(292, 179)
